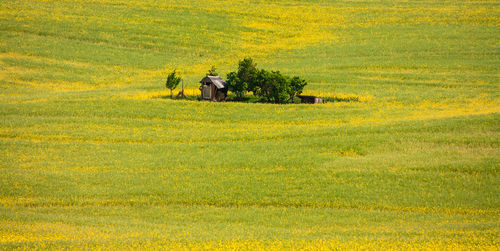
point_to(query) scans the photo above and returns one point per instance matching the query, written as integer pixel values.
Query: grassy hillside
(92, 155)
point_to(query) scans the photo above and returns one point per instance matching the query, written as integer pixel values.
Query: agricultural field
(93, 154)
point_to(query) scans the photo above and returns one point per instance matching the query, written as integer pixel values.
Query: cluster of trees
(271, 86)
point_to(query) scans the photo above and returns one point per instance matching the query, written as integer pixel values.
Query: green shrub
(271, 86)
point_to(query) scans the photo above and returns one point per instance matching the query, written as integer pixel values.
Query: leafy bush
(271, 86)
(244, 79)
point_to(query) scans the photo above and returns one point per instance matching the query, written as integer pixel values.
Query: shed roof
(216, 80)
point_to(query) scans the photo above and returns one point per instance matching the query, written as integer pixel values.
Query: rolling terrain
(93, 154)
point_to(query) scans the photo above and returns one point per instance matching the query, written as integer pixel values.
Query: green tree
(272, 86)
(262, 86)
(244, 79)
(212, 71)
(247, 73)
(280, 88)
(296, 87)
(275, 87)
(235, 85)
(172, 82)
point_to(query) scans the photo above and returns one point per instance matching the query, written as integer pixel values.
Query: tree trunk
(171, 95)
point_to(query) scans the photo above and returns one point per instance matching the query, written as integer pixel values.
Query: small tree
(273, 86)
(263, 85)
(235, 84)
(296, 87)
(247, 73)
(212, 71)
(244, 79)
(172, 82)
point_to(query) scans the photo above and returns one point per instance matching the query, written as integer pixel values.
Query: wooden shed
(213, 88)
(310, 99)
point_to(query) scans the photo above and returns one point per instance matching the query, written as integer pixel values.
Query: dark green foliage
(247, 73)
(277, 88)
(271, 86)
(172, 82)
(296, 87)
(235, 85)
(244, 80)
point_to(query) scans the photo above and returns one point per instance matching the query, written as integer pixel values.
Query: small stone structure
(310, 99)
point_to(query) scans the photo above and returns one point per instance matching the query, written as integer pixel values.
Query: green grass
(93, 155)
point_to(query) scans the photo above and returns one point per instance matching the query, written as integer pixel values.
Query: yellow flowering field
(94, 154)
